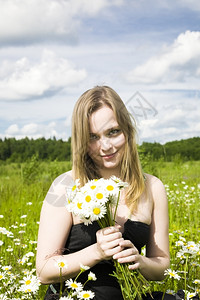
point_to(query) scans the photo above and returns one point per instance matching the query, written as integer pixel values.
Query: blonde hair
(83, 166)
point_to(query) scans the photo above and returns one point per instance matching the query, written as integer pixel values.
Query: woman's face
(107, 141)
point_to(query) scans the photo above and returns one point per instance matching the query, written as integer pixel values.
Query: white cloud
(12, 130)
(38, 20)
(34, 130)
(177, 62)
(23, 79)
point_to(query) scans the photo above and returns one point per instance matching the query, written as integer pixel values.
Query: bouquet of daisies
(97, 201)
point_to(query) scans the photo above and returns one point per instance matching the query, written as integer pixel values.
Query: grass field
(22, 190)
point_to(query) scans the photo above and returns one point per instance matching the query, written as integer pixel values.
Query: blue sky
(51, 51)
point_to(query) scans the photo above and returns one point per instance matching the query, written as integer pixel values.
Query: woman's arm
(55, 225)
(157, 258)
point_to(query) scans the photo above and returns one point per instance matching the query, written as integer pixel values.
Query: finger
(112, 244)
(128, 244)
(111, 229)
(134, 266)
(110, 237)
(125, 255)
(110, 252)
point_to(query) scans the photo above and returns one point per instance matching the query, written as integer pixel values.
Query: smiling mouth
(107, 156)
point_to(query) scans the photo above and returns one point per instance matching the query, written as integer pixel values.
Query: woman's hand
(108, 242)
(128, 254)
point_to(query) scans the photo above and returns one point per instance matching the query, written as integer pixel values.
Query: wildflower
(172, 274)
(30, 284)
(97, 211)
(1, 243)
(196, 281)
(1, 216)
(77, 286)
(9, 249)
(24, 216)
(66, 298)
(30, 254)
(190, 295)
(179, 243)
(84, 268)
(61, 263)
(33, 242)
(171, 292)
(92, 276)
(86, 295)
(2, 275)
(29, 203)
(7, 268)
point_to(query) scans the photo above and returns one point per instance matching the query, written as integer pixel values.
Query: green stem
(116, 206)
(61, 282)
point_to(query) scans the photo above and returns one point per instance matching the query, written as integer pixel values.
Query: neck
(107, 173)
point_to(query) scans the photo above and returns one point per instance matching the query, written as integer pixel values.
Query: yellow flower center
(74, 285)
(88, 198)
(99, 196)
(79, 205)
(1, 276)
(73, 188)
(110, 188)
(93, 187)
(61, 264)
(96, 210)
(28, 282)
(86, 296)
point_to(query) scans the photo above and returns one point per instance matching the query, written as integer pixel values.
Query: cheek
(119, 141)
(92, 148)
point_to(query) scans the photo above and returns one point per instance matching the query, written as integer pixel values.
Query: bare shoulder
(155, 186)
(64, 178)
(153, 180)
(56, 195)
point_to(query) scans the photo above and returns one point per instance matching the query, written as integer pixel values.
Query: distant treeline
(12, 150)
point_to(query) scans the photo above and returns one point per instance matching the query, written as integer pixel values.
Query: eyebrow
(109, 129)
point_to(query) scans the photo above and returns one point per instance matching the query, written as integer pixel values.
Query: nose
(105, 144)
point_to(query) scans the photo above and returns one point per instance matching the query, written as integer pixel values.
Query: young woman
(103, 144)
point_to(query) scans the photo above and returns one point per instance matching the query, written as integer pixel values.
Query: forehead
(102, 120)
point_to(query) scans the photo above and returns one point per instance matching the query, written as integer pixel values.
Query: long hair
(83, 166)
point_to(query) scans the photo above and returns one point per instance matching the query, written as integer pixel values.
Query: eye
(93, 137)
(114, 131)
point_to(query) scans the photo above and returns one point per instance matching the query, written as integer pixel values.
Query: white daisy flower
(24, 216)
(77, 286)
(2, 275)
(92, 276)
(30, 284)
(86, 295)
(196, 281)
(84, 268)
(97, 211)
(190, 295)
(172, 274)
(30, 254)
(61, 263)
(6, 268)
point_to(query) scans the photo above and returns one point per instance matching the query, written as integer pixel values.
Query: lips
(108, 156)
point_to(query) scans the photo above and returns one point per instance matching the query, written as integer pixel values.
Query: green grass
(23, 188)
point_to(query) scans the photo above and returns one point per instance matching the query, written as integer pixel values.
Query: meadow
(22, 190)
